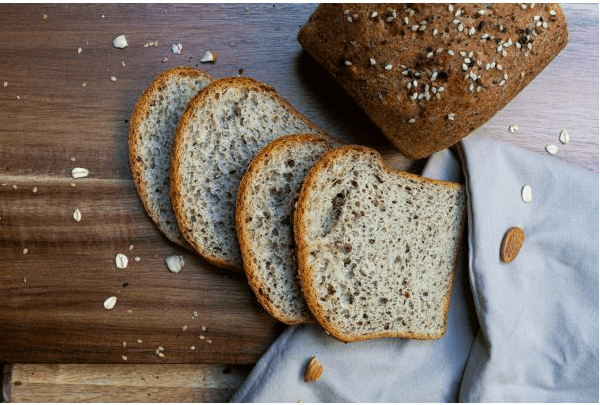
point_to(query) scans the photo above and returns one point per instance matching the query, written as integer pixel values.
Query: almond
(313, 370)
(511, 244)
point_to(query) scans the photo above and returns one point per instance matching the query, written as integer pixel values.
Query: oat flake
(121, 261)
(110, 302)
(526, 193)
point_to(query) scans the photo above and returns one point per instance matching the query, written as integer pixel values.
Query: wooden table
(193, 335)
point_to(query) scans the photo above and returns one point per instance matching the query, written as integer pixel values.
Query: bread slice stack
(325, 233)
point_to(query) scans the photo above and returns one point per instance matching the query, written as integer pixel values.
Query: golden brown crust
(384, 60)
(187, 117)
(244, 194)
(138, 115)
(305, 271)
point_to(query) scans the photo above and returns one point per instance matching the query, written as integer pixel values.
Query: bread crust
(195, 105)
(251, 268)
(139, 114)
(384, 61)
(305, 271)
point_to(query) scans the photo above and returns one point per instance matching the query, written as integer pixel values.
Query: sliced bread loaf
(151, 134)
(377, 248)
(221, 130)
(265, 202)
(428, 74)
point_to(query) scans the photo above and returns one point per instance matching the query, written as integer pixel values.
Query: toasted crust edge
(180, 138)
(305, 271)
(138, 114)
(251, 269)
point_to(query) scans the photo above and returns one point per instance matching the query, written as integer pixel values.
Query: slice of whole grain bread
(221, 130)
(151, 134)
(377, 248)
(264, 208)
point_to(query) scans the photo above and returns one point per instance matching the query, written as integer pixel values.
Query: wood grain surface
(59, 109)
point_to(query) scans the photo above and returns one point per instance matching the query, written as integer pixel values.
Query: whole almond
(313, 370)
(512, 244)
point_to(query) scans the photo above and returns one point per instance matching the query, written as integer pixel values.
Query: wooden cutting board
(59, 109)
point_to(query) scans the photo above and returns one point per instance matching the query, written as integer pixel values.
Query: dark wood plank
(51, 307)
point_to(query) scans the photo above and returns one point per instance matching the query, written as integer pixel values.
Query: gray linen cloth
(526, 331)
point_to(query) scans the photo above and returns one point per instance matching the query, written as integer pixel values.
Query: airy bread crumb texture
(268, 198)
(381, 247)
(221, 137)
(157, 131)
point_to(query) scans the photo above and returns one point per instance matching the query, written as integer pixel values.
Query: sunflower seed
(526, 193)
(79, 172)
(121, 261)
(175, 263)
(110, 302)
(564, 136)
(551, 149)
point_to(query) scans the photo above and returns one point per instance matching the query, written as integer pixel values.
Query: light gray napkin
(523, 331)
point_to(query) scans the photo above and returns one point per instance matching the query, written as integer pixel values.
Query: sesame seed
(493, 65)
(388, 66)
(415, 27)
(458, 12)
(456, 21)
(502, 83)
(434, 90)
(372, 61)
(487, 66)
(544, 24)
(479, 89)
(485, 35)
(518, 45)
(450, 8)
(430, 54)
(450, 52)
(501, 28)
(524, 6)
(471, 87)
(471, 54)
(434, 76)
(522, 75)
(414, 96)
(464, 67)
(408, 85)
(529, 46)
(499, 66)
(467, 60)
(536, 17)
(552, 12)
(472, 31)
(422, 28)
(405, 72)
(481, 12)
(347, 63)
(451, 116)
(499, 48)
(504, 54)
(346, 12)
(374, 14)
(406, 20)
(505, 76)
(435, 32)
(412, 120)
(349, 18)
(460, 27)
(538, 24)
(440, 89)
(415, 83)
(439, 50)
(463, 54)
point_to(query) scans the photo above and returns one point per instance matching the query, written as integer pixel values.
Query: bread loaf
(429, 74)
(377, 248)
(151, 134)
(265, 203)
(221, 130)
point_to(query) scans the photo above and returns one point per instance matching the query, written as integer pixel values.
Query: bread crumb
(120, 42)
(113, 78)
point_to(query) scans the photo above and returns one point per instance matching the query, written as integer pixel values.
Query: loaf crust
(199, 105)
(429, 74)
(305, 214)
(153, 188)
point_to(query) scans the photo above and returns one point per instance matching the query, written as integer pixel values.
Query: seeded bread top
(151, 134)
(429, 74)
(219, 133)
(377, 248)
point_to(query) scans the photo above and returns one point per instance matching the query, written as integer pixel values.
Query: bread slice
(377, 248)
(265, 202)
(428, 74)
(151, 134)
(219, 133)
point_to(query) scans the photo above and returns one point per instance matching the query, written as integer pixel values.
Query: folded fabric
(522, 331)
